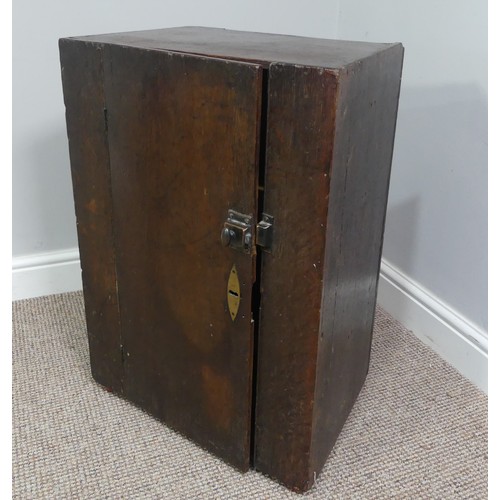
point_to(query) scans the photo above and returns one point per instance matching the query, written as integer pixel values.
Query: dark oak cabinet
(230, 192)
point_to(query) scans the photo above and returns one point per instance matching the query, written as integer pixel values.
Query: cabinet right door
(330, 136)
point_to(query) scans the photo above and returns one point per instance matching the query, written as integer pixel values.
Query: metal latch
(265, 232)
(237, 232)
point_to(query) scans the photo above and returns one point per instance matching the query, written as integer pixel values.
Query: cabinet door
(300, 131)
(182, 134)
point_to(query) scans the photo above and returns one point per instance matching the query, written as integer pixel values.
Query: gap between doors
(256, 289)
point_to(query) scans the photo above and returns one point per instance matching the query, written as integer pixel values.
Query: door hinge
(238, 232)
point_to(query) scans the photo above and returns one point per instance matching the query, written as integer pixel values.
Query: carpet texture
(418, 429)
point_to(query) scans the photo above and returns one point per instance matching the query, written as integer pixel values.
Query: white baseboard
(45, 274)
(453, 337)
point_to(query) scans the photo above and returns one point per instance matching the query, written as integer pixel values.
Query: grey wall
(43, 214)
(436, 229)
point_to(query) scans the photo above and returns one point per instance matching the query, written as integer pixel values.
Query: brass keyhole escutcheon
(233, 292)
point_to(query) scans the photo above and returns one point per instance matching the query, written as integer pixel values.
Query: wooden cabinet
(230, 192)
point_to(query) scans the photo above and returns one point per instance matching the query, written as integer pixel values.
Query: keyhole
(233, 292)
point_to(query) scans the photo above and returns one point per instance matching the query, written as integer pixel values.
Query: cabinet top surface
(261, 48)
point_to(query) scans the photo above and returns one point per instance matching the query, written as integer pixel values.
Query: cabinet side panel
(367, 109)
(301, 113)
(82, 75)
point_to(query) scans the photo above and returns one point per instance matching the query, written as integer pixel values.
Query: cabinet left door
(162, 145)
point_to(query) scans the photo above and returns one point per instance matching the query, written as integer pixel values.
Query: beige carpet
(418, 430)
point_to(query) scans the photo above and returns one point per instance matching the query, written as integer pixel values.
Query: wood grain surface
(364, 138)
(301, 120)
(82, 76)
(263, 48)
(183, 148)
(168, 130)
